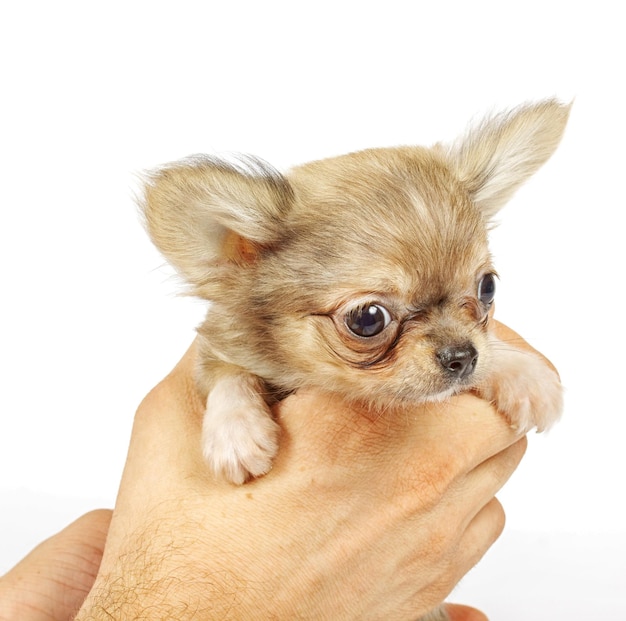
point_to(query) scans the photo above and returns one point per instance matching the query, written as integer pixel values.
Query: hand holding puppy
(362, 517)
(366, 276)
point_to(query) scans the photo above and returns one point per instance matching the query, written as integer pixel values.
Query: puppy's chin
(446, 394)
(442, 395)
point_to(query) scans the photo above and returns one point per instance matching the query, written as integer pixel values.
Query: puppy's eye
(487, 289)
(368, 320)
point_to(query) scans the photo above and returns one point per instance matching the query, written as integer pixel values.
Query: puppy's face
(382, 289)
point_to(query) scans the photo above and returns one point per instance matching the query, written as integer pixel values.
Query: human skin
(362, 517)
(53, 580)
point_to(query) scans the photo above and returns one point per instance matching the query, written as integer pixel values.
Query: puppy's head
(367, 274)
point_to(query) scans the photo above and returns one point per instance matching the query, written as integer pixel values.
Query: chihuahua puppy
(367, 275)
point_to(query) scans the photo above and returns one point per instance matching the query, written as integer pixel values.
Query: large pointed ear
(203, 212)
(494, 159)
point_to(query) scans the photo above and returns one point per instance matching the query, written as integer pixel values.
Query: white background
(90, 319)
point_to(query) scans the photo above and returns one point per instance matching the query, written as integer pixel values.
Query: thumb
(54, 579)
(464, 613)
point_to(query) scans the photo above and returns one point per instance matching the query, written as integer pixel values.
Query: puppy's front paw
(524, 389)
(239, 436)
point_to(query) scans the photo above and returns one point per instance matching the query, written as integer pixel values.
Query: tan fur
(285, 260)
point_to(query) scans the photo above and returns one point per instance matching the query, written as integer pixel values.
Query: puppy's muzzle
(459, 361)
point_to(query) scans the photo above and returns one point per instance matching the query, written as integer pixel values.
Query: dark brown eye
(368, 320)
(487, 289)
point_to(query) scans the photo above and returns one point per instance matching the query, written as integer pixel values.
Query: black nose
(458, 360)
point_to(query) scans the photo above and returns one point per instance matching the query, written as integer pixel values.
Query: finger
(482, 532)
(480, 485)
(472, 544)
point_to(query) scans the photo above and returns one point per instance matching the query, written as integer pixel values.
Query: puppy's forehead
(390, 214)
(409, 185)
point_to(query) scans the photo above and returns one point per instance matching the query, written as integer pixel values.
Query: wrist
(162, 580)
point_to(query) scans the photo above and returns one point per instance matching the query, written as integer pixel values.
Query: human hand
(52, 582)
(361, 517)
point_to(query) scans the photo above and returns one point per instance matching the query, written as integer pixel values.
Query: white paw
(524, 389)
(239, 436)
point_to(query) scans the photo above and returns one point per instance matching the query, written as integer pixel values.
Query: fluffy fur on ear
(204, 212)
(494, 159)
